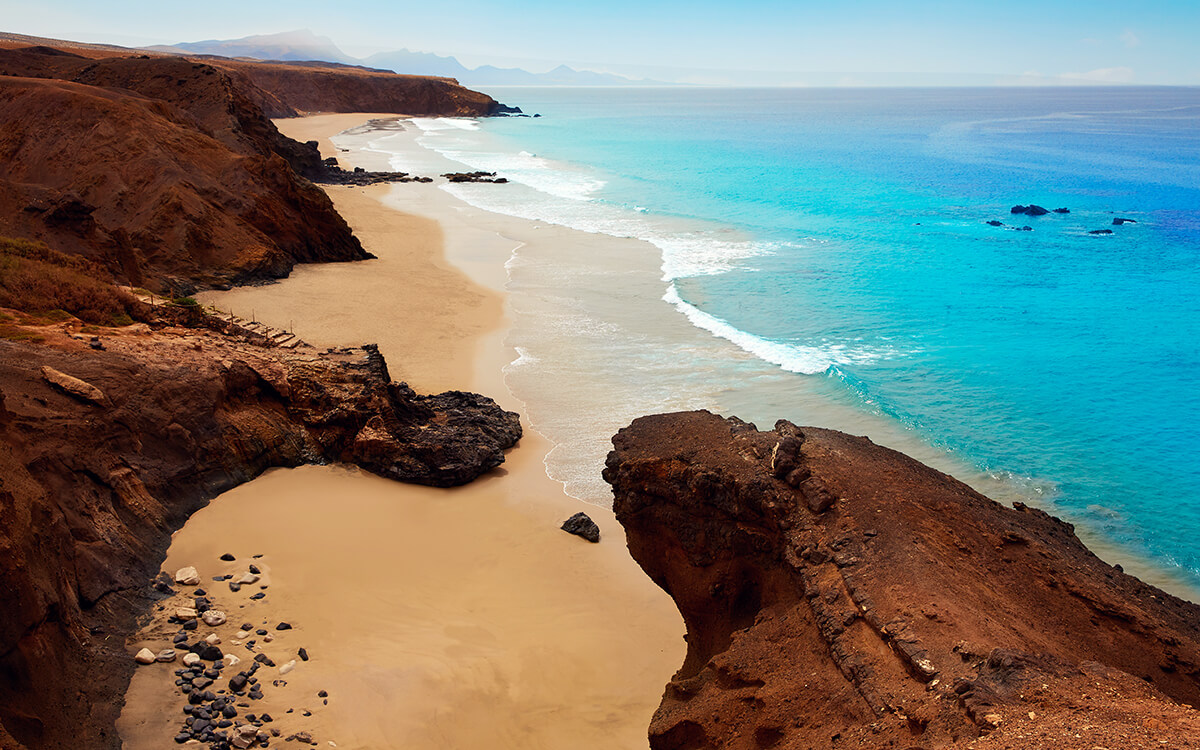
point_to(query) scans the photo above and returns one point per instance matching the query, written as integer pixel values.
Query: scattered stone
(247, 627)
(145, 656)
(264, 659)
(322, 694)
(191, 625)
(166, 655)
(287, 667)
(185, 613)
(582, 525)
(200, 592)
(191, 659)
(72, 386)
(241, 635)
(210, 653)
(247, 579)
(283, 626)
(260, 631)
(228, 557)
(254, 569)
(212, 639)
(232, 660)
(303, 654)
(235, 586)
(214, 617)
(187, 576)
(265, 718)
(259, 595)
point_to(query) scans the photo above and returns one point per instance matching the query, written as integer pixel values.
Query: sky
(1014, 41)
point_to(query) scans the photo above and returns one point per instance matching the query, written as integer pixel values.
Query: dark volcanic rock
(994, 223)
(474, 177)
(1119, 221)
(840, 594)
(1101, 231)
(1062, 210)
(582, 525)
(1030, 210)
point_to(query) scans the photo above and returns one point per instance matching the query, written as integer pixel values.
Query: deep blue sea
(840, 235)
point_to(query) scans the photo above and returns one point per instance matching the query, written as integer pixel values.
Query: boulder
(187, 576)
(582, 525)
(75, 387)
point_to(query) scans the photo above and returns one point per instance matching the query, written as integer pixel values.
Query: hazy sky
(1151, 41)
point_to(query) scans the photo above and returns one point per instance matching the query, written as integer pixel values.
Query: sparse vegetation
(185, 302)
(51, 286)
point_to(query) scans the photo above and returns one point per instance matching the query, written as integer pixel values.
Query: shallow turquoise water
(844, 239)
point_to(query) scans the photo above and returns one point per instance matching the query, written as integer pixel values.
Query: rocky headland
(840, 594)
(110, 441)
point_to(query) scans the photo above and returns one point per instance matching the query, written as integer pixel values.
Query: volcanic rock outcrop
(91, 487)
(840, 594)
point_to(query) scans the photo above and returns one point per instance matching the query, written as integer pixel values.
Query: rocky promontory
(111, 437)
(840, 594)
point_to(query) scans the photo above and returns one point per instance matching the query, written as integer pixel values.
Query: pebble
(191, 659)
(322, 694)
(268, 638)
(180, 638)
(231, 660)
(185, 613)
(260, 631)
(283, 626)
(254, 569)
(214, 617)
(145, 656)
(187, 576)
(212, 639)
(303, 653)
(235, 586)
(241, 635)
(258, 596)
(166, 655)
(248, 578)
(228, 557)
(287, 667)
(247, 626)
(191, 625)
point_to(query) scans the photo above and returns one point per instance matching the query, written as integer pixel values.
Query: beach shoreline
(434, 618)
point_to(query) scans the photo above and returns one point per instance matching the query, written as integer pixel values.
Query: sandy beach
(433, 618)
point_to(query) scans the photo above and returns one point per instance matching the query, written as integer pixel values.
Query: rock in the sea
(187, 576)
(1119, 221)
(1062, 210)
(994, 223)
(1030, 210)
(145, 656)
(213, 617)
(166, 655)
(1101, 231)
(582, 525)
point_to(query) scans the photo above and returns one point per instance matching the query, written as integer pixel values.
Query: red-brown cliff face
(161, 170)
(93, 482)
(840, 594)
(340, 88)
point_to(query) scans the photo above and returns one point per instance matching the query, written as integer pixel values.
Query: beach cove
(433, 618)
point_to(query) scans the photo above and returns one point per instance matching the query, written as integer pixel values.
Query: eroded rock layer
(840, 594)
(105, 452)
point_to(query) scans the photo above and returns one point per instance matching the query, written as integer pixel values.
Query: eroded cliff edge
(840, 594)
(93, 482)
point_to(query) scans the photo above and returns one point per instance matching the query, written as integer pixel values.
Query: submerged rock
(582, 525)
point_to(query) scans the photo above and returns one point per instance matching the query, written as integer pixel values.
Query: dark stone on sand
(254, 569)
(180, 638)
(264, 659)
(237, 683)
(191, 624)
(303, 654)
(235, 586)
(265, 718)
(259, 595)
(210, 653)
(195, 697)
(200, 592)
(182, 737)
(224, 723)
(322, 694)
(163, 588)
(218, 579)
(582, 525)
(1101, 231)
(994, 223)
(260, 631)
(228, 557)
(1119, 221)
(247, 626)
(200, 683)
(283, 626)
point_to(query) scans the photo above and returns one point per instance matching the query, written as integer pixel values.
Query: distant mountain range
(305, 45)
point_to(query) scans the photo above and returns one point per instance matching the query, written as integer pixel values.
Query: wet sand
(434, 618)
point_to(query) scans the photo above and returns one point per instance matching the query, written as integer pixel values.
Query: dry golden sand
(435, 618)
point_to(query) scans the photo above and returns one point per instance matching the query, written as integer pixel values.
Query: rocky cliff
(105, 452)
(840, 594)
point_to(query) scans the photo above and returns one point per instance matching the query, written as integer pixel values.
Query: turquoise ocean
(835, 243)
